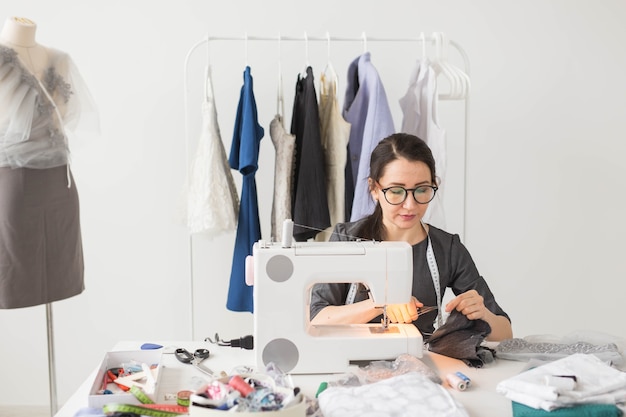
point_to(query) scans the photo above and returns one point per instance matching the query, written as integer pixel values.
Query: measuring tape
(140, 395)
(352, 293)
(434, 273)
(151, 410)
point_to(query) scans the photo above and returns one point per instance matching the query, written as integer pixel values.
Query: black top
(456, 271)
(309, 202)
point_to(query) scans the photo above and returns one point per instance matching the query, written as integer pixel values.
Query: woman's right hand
(404, 313)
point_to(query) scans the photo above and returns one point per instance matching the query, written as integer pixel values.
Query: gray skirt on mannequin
(41, 254)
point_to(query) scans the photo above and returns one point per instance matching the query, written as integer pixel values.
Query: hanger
(364, 36)
(246, 47)
(280, 101)
(462, 77)
(208, 86)
(306, 55)
(450, 72)
(423, 41)
(329, 71)
(464, 80)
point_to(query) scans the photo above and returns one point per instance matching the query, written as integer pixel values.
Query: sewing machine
(283, 278)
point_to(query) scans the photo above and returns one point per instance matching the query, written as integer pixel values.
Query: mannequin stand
(51, 364)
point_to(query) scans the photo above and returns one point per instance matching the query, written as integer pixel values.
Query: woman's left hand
(470, 304)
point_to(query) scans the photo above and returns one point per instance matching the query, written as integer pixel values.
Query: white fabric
(334, 135)
(285, 145)
(419, 108)
(212, 200)
(36, 115)
(407, 395)
(596, 382)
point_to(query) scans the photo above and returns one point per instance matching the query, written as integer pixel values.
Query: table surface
(481, 399)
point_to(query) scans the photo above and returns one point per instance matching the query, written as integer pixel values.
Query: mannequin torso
(18, 33)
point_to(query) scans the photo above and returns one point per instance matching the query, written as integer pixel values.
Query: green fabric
(584, 410)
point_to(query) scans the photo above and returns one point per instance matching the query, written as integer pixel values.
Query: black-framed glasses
(423, 194)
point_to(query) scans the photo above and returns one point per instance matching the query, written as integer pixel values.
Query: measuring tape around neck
(434, 273)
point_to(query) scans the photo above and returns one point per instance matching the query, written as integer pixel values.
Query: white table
(480, 400)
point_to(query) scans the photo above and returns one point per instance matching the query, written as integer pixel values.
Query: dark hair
(398, 145)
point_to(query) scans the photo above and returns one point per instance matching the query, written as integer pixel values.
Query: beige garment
(335, 133)
(285, 144)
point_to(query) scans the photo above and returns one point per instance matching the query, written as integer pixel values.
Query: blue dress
(244, 156)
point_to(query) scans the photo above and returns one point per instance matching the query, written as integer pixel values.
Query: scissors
(184, 356)
(424, 310)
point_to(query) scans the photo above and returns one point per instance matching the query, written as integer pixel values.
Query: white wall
(545, 170)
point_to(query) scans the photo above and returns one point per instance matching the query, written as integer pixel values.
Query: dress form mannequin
(18, 33)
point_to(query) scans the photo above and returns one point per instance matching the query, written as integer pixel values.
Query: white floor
(24, 411)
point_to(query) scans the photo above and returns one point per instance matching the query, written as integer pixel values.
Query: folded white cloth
(406, 395)
(596, 382)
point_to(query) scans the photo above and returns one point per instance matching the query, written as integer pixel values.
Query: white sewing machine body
(283, 278)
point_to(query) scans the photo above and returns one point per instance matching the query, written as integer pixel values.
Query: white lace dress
(211, 195)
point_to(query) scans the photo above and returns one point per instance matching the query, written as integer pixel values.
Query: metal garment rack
(423, 40)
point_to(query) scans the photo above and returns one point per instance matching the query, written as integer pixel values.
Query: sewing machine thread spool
(287, 233)
(457, 382)
(464, 378)
(240, 385)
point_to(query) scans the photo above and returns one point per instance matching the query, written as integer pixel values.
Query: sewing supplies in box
(119, 372)
(247, 395)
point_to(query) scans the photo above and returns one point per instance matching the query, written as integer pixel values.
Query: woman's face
(407, 174)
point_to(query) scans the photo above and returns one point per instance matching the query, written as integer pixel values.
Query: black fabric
(460, 338)
(457, 271)
(309, 199)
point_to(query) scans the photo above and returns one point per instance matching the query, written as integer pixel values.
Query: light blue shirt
(367, 110)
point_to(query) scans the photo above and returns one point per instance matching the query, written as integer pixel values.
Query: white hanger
(423, 41)
(443, 67)
(306, 54)
(208, 86)
(364, 36)
(329, 71)
(461, 78)
(460, 82)
(280, 101)
(246, 47)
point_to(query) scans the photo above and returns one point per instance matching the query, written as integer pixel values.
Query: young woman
(402, 182)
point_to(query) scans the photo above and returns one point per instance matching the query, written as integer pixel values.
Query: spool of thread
(456, 382)
(287, 233)
(237, 383)
(182, 398)
(464, 378)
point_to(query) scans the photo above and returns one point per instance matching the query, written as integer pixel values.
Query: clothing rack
(305, 38)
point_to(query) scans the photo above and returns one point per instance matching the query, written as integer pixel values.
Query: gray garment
(457, 271)
(41, 254)
(461, 338)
